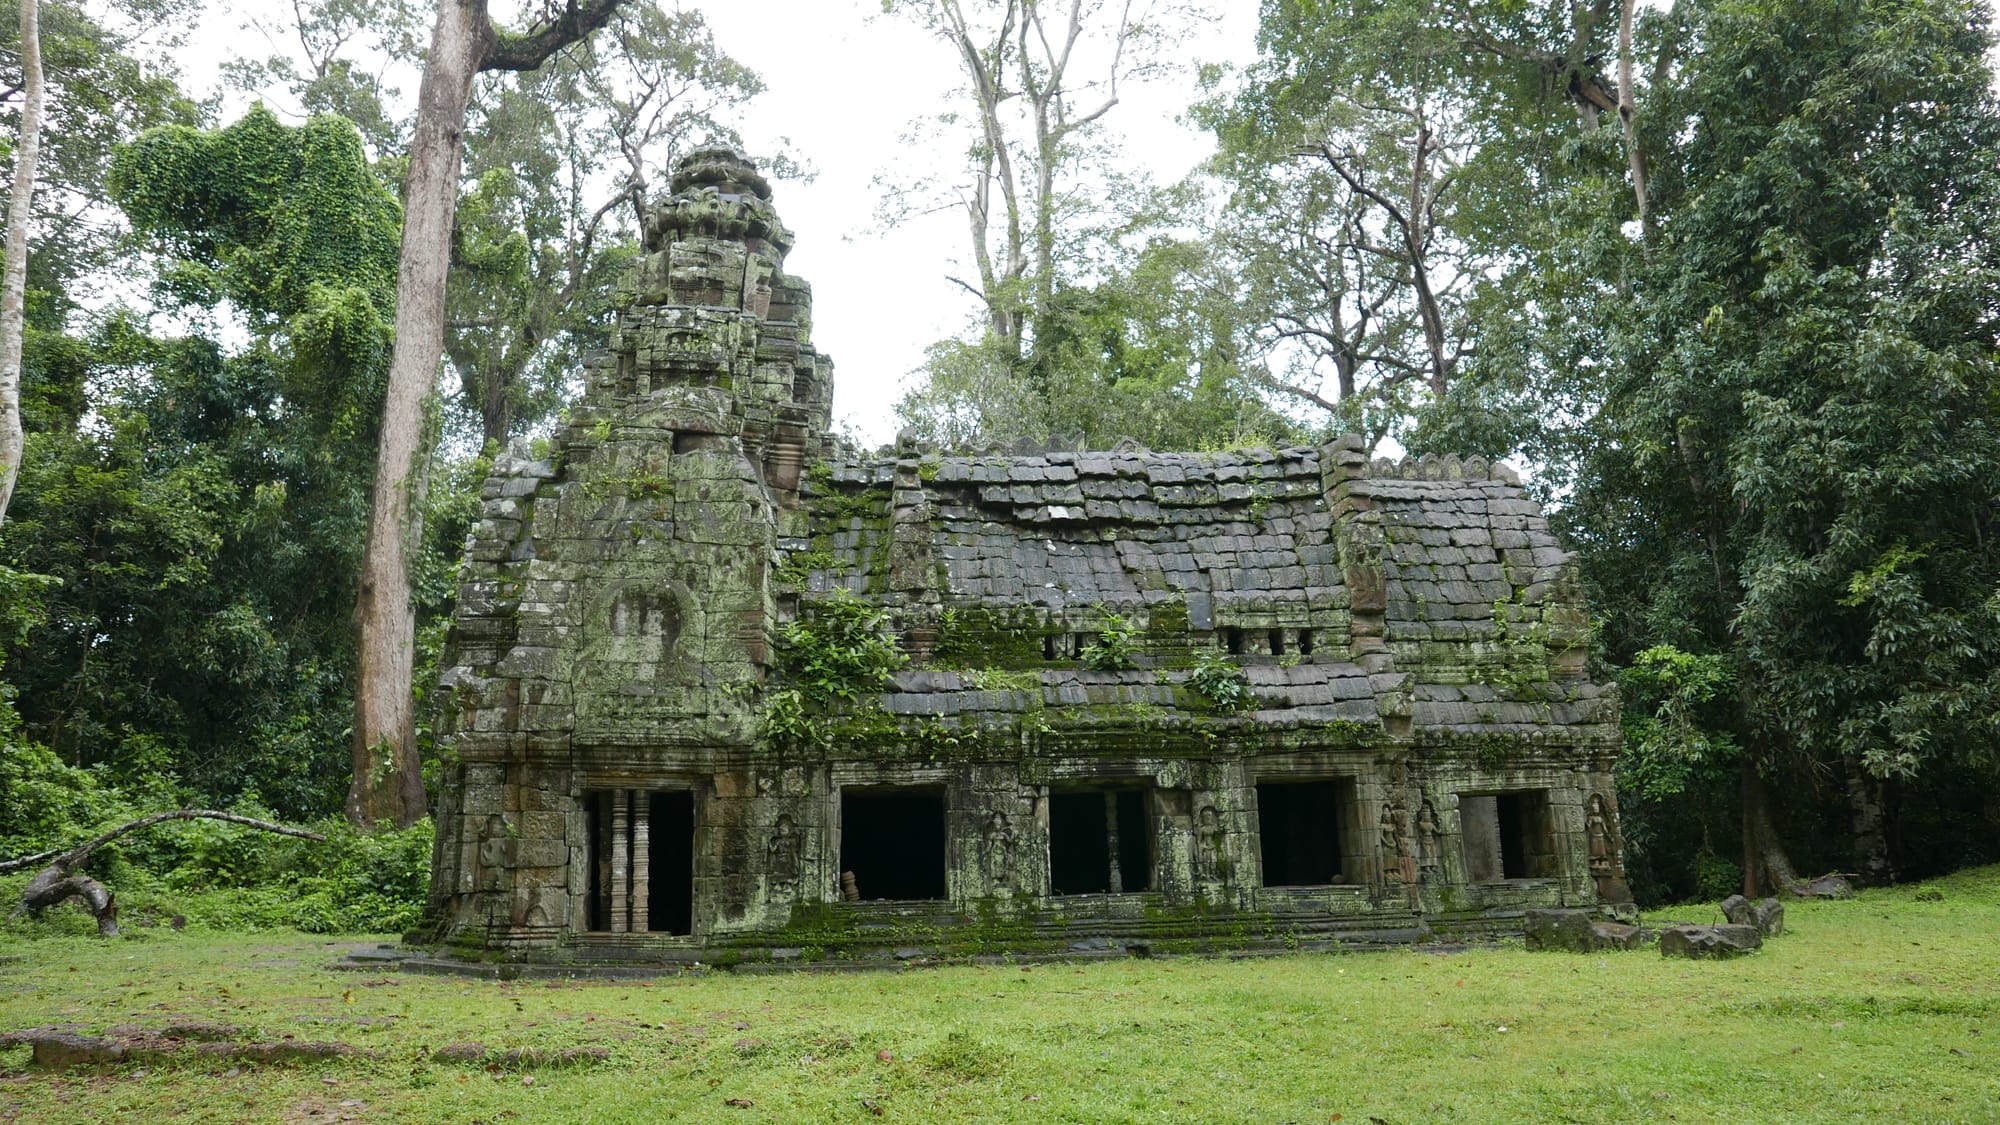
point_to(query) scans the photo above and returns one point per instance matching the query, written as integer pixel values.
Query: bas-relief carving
(996, 853)
(783, 852)
(1210, 858)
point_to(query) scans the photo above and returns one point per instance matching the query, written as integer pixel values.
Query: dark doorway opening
(1100, 840)
(1507, 836)
(1298, 830)
(641, 861)
(670, 884)
(893, 843)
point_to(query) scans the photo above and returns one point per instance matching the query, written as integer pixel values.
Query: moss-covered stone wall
(644, 626)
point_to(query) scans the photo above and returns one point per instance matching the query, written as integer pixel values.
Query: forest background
(1721, 274)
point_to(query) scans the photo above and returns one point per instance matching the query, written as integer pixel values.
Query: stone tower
(615, 620)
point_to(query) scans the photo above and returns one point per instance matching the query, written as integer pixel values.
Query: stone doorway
(892, 843)
(1100, 841)
(1507, 836)
(641, 861)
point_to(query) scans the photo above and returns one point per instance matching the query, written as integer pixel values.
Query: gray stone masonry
(1170, 700)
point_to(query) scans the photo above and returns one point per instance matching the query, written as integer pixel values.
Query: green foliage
(839, 649)
(205, 514)
(1716, 877)
(1150, 353)
(352, 882)
(279, 220)
(1807, 410)
(45, 803)
(1677, 707)
(1114, 650)
(835, 659)
(798, 567)
(1221, 681)
(216, 874)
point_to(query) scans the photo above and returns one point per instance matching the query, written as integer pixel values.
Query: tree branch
(529, 51)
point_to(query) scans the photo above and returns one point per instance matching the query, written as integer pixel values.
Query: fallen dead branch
(62, 879)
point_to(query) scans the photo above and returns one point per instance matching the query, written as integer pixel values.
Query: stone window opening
(1277, 642)
(1305, 642)
(641, 861)
(1306, 833)
(1065, 646)
(1507, 836)
(1232, 640)
(1100, 842)
(892, 844)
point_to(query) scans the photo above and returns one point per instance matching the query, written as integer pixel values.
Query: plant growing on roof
(840, 651)
(1219, 680)
(1113, 651)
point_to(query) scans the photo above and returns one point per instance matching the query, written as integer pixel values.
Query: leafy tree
(203, 516)
(1056, 232)
(1403, 175)
(1152, 353)
(1793, 468)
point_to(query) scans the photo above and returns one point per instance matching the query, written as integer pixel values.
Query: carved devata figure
(1607, 850)
(492, 853)
(1399, 867)
(1428, 841)
(784, 849)
(1208, 846)
(996, 851)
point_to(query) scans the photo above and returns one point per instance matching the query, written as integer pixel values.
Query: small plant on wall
(837, 658)
(1113, 650)
(1218, 680)
(840, 650)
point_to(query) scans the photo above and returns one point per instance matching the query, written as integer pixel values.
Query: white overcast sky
(844, 88)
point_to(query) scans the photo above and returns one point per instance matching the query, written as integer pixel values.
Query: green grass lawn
(1878, 1009)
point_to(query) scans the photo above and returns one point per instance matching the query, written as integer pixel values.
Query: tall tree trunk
(496, 406)
(1871, 834)
(1416, 236)
(1766, 864)
(14, 284)
(388, 784)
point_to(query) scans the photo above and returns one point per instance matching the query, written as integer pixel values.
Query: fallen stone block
(1703, 943)
(60, 1050)
(1737, 909)
(1826, 886)
(1575, 931)
(1769, 917)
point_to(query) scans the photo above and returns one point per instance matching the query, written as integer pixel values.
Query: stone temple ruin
(1147, 701)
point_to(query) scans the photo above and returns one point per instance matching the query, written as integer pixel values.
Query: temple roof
(1240, 551)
